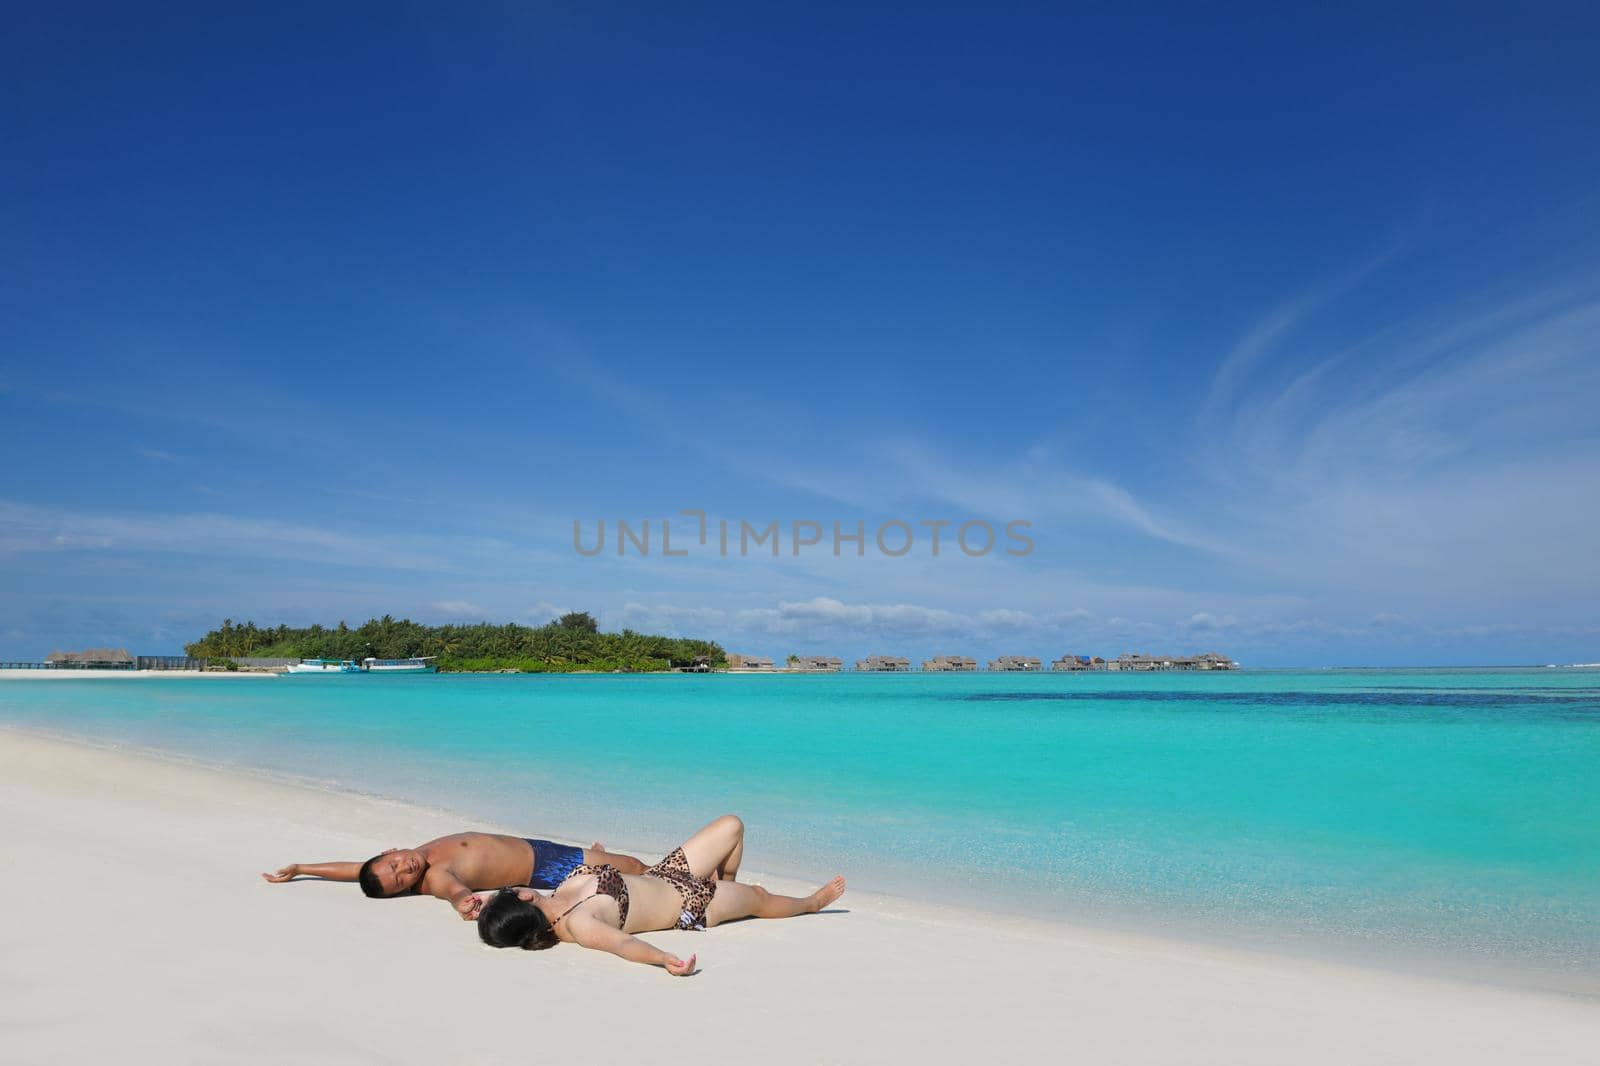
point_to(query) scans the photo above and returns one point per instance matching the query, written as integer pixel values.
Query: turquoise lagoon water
(1448, 816)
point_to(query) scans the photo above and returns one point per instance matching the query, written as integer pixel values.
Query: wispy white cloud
(823, 612)
(27, 528)
(824, 616)
(1262, 340)
(1454, 481)
(668, 618)
(1206, 622)
(542, 612)
(1034, 486)
(456, 610)
(1005, 618)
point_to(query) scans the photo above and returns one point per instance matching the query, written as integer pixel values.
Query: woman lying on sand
(600, 907)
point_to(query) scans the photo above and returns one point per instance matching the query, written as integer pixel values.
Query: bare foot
(826, 894)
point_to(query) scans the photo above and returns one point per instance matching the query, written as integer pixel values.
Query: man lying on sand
(452, 868)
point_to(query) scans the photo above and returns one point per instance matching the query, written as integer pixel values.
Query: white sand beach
(137, 928)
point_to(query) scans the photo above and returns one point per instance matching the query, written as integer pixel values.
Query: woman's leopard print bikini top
(608, 882)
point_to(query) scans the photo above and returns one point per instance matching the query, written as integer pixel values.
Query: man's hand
(468, 907)
(288, 873)
(677, 967)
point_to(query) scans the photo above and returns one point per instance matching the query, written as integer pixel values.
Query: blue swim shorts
(552, 862)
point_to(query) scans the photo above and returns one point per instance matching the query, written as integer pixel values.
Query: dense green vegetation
(571, 643)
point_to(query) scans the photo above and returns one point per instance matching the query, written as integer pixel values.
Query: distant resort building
(942, 664)
(749, 663)
(815, 664)
(110, 659)
(92, 659)
(173, 662)
(1015, 663)
(1140, 663)
(883, 664)
(1079, 663)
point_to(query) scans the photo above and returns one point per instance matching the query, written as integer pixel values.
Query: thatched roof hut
(104, 657)
(943, 664)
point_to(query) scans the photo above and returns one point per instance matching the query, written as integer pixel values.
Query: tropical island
(572, 643)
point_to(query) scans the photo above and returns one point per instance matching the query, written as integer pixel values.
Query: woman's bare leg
(716, 850)
(734, 901)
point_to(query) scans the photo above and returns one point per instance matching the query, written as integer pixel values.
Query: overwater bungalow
(941, 664)
(1078, 663)
(815, 664)
(883, 664)
(749, 663)
(92, 659)
(1142, 663)
(1015, 663)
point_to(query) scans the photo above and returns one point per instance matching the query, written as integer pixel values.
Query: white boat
(417, 665)
(323, 666)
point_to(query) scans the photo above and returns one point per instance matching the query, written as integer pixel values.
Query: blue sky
(1278, 327)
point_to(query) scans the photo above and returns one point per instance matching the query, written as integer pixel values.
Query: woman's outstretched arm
(593, 933)
(328, 871)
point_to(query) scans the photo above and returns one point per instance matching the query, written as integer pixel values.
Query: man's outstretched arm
(328, 871)
(443, 884)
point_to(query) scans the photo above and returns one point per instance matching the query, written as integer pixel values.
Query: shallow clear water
(1441, 815)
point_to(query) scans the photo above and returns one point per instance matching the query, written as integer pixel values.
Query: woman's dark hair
(509, 921)
(368, 877)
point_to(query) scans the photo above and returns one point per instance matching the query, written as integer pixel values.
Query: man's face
(399, 869)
